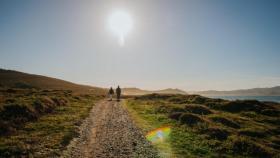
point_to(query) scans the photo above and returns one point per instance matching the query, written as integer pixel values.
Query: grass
(204, 127)
(181, 142)
(50, 132)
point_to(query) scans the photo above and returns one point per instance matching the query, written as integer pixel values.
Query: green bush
(253, 133)
(270, 112)
(175, 115)
(246, 147)
(225, 121)
(13, 111)
(198, 109)
(190, 119)
(243, 105)
(216, 133)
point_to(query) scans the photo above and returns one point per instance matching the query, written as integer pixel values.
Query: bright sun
(120, 23)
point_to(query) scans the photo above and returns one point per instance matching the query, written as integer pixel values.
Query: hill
(137, 91)
(16, 79)
(273, 91)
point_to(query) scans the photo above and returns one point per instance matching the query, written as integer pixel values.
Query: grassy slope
(181, 143)
(219, 127)
(15, 79)
(51, 126)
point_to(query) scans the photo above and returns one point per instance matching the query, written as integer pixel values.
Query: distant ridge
(16, 79)
(137, 91)
(273, 91)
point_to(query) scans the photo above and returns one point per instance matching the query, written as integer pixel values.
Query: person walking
(111, 93)
(118, 91)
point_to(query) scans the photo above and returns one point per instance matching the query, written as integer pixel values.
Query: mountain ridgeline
(137, 91)
(16, 79)
(273, 91)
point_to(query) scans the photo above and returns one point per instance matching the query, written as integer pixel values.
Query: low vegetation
(204, 127)
(40, 123)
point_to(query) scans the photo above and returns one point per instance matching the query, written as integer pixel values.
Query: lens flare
(158, 135)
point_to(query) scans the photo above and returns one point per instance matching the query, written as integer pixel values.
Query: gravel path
(109, 132)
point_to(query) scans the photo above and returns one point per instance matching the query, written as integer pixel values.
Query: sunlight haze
(186, 44)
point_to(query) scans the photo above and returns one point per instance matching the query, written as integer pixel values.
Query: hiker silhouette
(111, 93)
(118, 91)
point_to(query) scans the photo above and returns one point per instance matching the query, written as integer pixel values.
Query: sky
(187, 44)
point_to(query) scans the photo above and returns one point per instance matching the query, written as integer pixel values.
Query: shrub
(23, 85)
(270, 112)
(190, 119)
(175, 115)
(10, 100)
(153, 96)
(178, 109)
(252, 133)
(242, 105)
(11, 91)
(5, 128)
(162, 109)
(275, 131)
(60, 101)
(178, 99)
(12, 151)
(216, 133)
(225, 121)
(44, 104)
(68, 137)
(250, 114)
(12, 111)
(246, 147)
(274, 121)
(198, 109)
(196, 99)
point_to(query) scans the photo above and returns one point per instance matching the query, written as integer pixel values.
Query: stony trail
(109, 132)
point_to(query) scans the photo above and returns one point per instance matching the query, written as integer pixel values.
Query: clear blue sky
(187, 44)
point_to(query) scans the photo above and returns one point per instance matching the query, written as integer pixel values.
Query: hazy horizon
(192, 45)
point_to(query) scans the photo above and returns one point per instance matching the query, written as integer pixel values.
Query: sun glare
(120, 24)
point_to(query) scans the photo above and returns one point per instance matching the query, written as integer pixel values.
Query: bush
(23, 85)
(178, 99)
(216, 133)
(5, 128)
(190, 119)
(243, 105)
(274, 121)
(12, 151)
(270, 112)
(225, 121)
(44, 104)
(13, 111)
(198, 109)
(246, 147)
(162, 109)
(11, 91)
(250, 114)
(60, 101)
(178, 109)
(196, 99)
(68, 137)
(175, 115)
(153, 96)
(252, 133)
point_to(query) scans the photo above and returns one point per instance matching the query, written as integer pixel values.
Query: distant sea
(259, 98)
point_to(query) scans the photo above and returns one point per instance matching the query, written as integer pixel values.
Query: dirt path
(109, 132)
